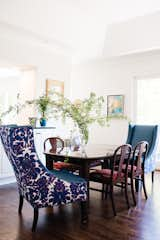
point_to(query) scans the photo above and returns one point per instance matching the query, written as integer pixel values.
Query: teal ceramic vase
(43, 122)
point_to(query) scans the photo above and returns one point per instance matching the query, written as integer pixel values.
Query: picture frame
(115, 106)
(54, 85)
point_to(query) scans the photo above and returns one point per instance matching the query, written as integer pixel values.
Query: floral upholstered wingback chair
(39, 186)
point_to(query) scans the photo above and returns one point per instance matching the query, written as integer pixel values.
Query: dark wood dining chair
(136, 167)
(57, 145)
(110, 177)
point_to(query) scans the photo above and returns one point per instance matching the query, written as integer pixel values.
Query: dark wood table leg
(84, 172)
(49, 162)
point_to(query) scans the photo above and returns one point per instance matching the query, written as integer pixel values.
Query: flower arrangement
(83, 113)
(43, 104)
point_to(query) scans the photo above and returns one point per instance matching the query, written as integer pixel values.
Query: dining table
(91, 155)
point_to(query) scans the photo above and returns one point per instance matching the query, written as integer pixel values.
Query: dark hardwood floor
(63, 223)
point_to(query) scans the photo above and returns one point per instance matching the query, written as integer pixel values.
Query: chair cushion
(67, 176)
(65, 165)
(106, 173)
(129, 167)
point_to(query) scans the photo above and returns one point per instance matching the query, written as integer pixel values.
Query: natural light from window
(148, 101)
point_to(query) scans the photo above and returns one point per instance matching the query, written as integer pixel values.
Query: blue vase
(43, 122)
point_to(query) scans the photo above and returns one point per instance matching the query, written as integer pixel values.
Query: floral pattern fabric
(36, 184)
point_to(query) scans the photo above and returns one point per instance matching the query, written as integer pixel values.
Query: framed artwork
(115, 105)
(54, 85)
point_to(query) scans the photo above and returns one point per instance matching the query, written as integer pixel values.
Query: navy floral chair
(39, 186)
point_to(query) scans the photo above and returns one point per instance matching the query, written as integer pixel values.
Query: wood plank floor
(63, 223)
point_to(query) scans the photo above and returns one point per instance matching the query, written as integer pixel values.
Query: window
(148, 101)
(17, 86)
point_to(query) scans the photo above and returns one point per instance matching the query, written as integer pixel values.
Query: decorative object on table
(43, 122)
(43, 104)
(75, 139)
(115, 106)
(54, 86)
(82, 112)
(33, 121)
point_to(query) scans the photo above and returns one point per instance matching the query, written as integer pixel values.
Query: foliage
(83, 113)
(43, 104)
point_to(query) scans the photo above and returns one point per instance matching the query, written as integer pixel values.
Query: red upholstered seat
(129, 167)
(115, 174)
(106, 173)
(65, 165)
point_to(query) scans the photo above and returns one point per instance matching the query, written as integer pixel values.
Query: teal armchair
(149, 133)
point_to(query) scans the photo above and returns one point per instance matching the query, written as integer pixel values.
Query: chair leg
(35, 219)
(133, 194)
(112, 200)
(20, 204)
(106, 191)
(84, 212)
(152, 176)
(136, 185)
(103, 190)
(144, 186)
(126, 194)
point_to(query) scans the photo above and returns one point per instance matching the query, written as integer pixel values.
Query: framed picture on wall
(54, 86)
(115, 105)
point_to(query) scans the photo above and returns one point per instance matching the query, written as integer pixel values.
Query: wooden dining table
(83, 158)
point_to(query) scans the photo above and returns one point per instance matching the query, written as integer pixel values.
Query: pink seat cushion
(106, 173)
(64, 165)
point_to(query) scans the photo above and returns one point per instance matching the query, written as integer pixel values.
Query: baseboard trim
(7, 180)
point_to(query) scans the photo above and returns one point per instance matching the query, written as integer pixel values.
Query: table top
(91, 151)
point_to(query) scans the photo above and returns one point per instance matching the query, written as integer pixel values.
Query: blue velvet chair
(39, 186)
(149, 133)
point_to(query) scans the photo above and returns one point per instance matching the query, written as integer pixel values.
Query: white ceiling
(80, 25)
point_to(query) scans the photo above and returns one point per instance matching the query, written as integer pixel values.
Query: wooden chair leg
(20, 204)
(136, 185)
(84, 212)
(112, 200)
(144, 186)
(152, 176)
(35, 219)
(103, 190)
(133, 193)
(126, 194)
(106, 191)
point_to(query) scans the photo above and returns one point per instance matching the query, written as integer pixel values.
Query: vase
(83, 144)
(43, 122)
(32, 121)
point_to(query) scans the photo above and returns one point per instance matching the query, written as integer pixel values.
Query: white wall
(48, 61)
(138, 35)
(116, 76)
(20, 48)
